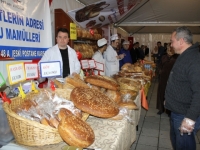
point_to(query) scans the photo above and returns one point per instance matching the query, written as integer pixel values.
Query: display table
(109, 134)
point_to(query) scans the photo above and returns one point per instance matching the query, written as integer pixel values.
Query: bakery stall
(122, 96)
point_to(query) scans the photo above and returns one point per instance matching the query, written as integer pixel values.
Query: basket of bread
(39, 119)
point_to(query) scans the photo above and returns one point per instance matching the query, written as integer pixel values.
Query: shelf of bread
(86, 42)
(86, 34)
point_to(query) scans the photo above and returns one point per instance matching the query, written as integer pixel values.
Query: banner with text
(25, 29)
(103, 12)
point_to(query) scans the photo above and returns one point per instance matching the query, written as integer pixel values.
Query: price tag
(2, 80)
(99, 66)
(16, 73)
(31, 70)
(85, 64)
(50, 69)
(92, 64)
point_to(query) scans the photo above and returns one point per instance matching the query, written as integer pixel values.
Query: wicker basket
(29, 132)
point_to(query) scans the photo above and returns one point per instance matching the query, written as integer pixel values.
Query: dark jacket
(165, 67)
(182, 93)
(133, 53)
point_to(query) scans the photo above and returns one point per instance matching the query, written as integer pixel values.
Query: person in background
(127, 56)
(137, 46)
(160, 52)
(165, 67)
(98, 55)
(182, 95)
(155, 53)
(165, 47)
(111, 57)
(63, 53)
(146, 50)
(142, 51)
(133, 53)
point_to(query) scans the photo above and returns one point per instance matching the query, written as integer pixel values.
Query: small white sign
(16, 73)
(85, 64)
(50, 69)
(92, 64)
(99, 66)
(31, 70)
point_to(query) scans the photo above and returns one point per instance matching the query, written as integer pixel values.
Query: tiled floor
(153, 131)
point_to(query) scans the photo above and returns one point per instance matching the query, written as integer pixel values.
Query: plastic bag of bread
(114, 95)
(128, 94)
(123, 114)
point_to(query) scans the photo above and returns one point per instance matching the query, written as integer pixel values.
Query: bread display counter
(109, 134)
(110, 131)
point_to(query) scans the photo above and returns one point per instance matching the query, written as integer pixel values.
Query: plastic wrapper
(123, 113)
(45, 107)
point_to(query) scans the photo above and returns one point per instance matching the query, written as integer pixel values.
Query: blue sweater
(127, 58)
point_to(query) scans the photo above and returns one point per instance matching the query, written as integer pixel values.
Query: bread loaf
(94, 102)
(114, 95)
(76, 82)
(128, 105)
(102, 82)
(75, 131)
(128, 94)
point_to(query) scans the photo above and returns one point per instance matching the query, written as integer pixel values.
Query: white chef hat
(101, 42)
(114, 37)
(126, 42)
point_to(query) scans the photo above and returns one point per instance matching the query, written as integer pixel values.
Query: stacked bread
(110, 87)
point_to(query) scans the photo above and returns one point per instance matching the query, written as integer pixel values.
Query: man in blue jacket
(127, 56)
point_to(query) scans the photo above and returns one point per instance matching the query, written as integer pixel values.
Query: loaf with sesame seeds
(94, 102)
(75, 131)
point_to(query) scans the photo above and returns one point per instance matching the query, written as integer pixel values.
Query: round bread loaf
(75, 131)
(94, 102)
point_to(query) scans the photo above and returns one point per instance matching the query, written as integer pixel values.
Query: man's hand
(121, 56)
(187, 126)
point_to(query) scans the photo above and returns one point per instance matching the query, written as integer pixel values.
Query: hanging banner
(102, 13)
(25, 29)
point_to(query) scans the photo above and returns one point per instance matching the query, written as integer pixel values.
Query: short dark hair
(185, 33)
(159, 42)
(63, 30)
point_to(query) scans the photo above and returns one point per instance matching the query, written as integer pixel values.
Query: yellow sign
(16, 72)
(73, 34)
